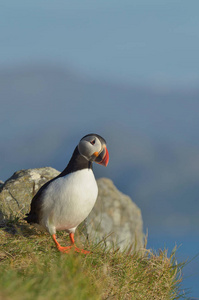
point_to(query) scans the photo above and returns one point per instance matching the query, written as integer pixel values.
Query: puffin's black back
(76, 163)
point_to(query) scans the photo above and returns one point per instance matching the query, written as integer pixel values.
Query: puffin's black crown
(97, 135)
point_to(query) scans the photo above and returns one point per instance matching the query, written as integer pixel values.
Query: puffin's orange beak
(102, 158)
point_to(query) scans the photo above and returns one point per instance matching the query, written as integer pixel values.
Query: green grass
(32, 268)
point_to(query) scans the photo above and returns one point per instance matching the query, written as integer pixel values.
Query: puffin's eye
(92, 142)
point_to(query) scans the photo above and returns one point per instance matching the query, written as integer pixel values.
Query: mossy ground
(32, 268)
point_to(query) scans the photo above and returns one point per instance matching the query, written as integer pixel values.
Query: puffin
(66, 200)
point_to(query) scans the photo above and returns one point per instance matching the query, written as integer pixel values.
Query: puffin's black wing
(76, 163)
(35, 209)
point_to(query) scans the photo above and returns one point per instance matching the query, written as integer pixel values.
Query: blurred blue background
(128, 70)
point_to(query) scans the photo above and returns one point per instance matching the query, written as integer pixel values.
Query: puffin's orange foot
(81, 250)
(71, 248)
(68, 249)
(64, 249)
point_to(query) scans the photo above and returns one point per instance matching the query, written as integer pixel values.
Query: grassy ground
(32, 268)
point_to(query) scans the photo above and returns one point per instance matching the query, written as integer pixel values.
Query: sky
(150, 42)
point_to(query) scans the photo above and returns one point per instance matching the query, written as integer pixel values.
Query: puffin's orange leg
(71, 235)
(72, 239)
(60, 248)
(68, 248)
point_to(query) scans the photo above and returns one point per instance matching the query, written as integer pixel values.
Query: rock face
(114, 213)
(16, 193)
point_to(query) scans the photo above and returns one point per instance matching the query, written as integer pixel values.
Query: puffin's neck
(76, 163)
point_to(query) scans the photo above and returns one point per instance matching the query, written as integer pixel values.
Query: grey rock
(1, 183)
(115, 215)
(115, 218)
(16, 193)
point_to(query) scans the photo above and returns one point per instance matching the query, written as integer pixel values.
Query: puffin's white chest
(68, 200)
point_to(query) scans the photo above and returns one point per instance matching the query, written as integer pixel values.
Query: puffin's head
(93, 148)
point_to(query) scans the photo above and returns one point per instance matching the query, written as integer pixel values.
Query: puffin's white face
(93, 148)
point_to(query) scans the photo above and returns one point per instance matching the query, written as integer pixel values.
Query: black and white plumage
(65, 201)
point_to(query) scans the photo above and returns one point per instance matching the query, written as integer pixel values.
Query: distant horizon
(164, 87)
